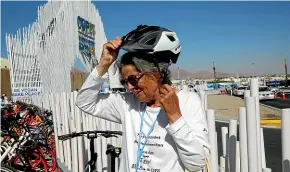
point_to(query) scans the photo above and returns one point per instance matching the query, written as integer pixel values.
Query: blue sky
(232, 34)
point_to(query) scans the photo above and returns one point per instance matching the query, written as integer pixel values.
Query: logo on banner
(86, 33)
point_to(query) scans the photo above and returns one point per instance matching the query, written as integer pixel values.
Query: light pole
(253, 70)
(214, 72)
(286, 72)
(178, 73)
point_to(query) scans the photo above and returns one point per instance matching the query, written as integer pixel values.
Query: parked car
(239, 91)
(265, 93)
(286, 90)
(274, 89)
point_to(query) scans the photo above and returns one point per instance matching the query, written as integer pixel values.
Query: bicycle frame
(10, 149)
(114, 152)
(91, 135)
(94, 155)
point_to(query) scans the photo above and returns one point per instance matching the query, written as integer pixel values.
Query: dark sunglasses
(132, 79)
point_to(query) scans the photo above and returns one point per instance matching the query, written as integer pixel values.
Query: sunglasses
(132, 79)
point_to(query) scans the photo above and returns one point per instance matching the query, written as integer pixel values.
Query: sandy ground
(227, 107)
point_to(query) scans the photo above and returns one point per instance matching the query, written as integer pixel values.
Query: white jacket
(170, 148)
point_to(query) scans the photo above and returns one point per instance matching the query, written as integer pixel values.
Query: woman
(167, 126)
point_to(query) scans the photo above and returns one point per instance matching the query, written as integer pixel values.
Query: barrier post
(264, 165)
(267, 170)
(251, 135)
(254, 86)
(285, 124)
(232, 145)
(243, 139)
(238, 159)
(225, 134)
(212, 139)
(222, 164)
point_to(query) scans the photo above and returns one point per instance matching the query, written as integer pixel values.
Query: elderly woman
(164, 129)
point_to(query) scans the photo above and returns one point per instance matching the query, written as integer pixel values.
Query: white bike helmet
(162, 43)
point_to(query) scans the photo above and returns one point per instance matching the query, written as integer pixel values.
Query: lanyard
(140, 151)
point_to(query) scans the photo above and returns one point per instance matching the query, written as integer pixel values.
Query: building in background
(4, 63)
(77, 79)
(5, 78)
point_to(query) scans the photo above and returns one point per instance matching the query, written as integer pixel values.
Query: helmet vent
(171, 38)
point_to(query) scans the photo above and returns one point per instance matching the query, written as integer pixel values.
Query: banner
(25, 92)
(86, 34)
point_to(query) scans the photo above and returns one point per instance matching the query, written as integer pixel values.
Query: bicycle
(27, 139)
(27, 153)
(91, 135)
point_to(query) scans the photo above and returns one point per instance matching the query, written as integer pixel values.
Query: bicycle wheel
(39, 163)
(50, 140)
(29, 161)
(49, 157)
(7, 168)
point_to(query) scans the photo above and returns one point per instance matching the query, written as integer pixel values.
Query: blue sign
(87, 34)
(273, 83)
(87, 28)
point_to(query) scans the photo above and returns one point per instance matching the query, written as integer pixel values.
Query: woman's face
(143, 85)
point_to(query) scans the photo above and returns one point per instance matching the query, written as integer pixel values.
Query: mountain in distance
(183, 74)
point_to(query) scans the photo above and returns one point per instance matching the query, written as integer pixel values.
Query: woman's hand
(109, 55)
(170, 104)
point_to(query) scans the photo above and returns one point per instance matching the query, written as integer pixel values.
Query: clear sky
(232, 34)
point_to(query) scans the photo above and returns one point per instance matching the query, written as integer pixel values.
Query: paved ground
(278, 103)
(227, 107)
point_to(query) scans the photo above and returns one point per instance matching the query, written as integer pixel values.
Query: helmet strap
(156, 64)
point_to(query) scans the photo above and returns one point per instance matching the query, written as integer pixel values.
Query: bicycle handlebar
(106, 134)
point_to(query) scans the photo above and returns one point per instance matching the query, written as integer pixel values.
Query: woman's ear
(157, 77)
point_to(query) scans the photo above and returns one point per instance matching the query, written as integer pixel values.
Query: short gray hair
(145, 63)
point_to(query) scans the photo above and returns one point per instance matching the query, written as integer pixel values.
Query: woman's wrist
(173, 118)
(101, 70)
